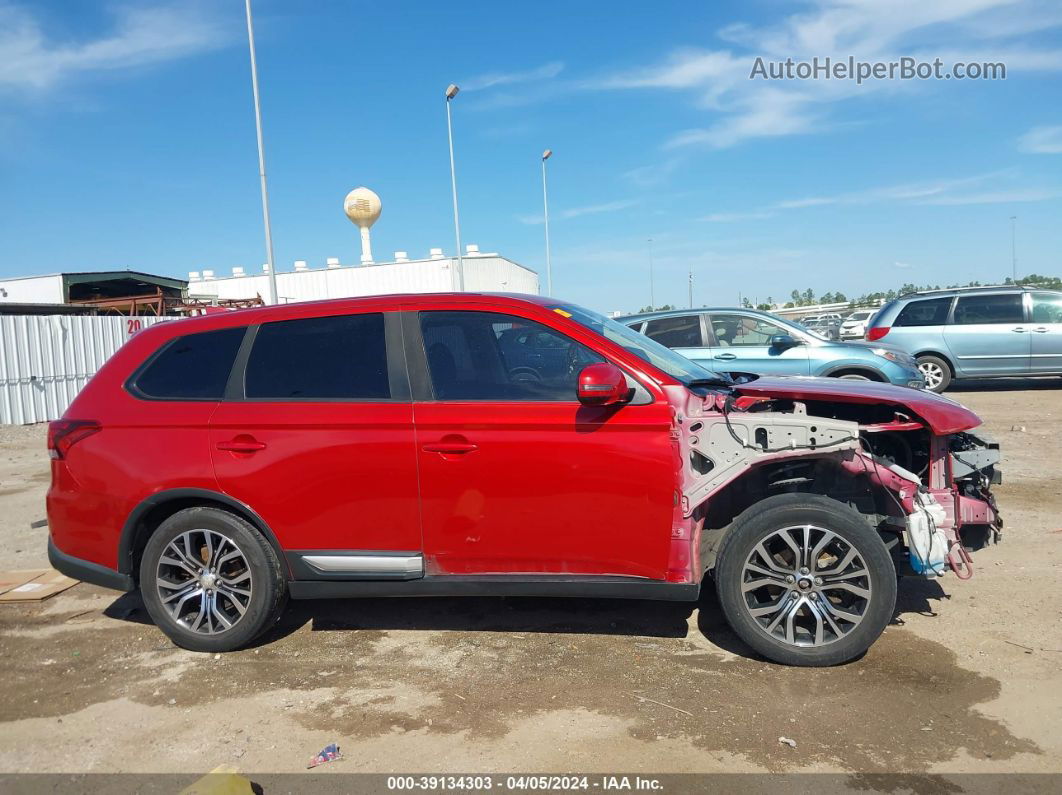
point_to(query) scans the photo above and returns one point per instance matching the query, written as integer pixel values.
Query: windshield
(678, 367)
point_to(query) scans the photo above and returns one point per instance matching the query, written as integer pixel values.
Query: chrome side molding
(400, 567)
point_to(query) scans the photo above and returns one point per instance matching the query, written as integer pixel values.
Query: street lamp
(545, 207)
(1014, 248)
(459, 274)
(652, 298)
(273, 297)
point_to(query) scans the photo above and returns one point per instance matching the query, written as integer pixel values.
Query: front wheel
(935, 371)
(805, 580)
(210, 580)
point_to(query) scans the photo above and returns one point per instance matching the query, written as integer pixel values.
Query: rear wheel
(935, 371)
(805, 580)
(210, 581)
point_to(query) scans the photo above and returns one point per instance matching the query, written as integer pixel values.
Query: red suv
(491, 444)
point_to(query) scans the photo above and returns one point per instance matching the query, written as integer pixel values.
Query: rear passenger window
(319, 358)
(972, 309)
(192, 367)
(929, 312)
(675, 332)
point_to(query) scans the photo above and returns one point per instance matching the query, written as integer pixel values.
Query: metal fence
(45, 360)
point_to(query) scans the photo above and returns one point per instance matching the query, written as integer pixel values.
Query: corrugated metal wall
(45, 360)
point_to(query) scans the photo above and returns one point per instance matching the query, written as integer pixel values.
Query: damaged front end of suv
(901, 465)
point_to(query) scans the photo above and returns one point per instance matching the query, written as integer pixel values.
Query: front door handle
(1019, 330)
(242, 444)
(450, 448)
(726, 356)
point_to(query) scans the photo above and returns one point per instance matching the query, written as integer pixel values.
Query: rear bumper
(86, 571)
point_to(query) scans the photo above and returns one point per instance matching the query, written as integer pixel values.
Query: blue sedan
(739, 341)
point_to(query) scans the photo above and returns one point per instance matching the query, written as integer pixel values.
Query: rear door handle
(1040, 330)
(726, 356)
(242, 444)
(453, 448)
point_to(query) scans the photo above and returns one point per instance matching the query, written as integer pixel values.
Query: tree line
(808, 297)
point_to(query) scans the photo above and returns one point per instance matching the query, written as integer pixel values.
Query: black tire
(932, 369)
(260, 609)
(759, 524)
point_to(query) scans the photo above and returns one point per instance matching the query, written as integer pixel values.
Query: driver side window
(492, 356)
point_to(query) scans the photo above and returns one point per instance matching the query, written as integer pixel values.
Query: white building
(483, 272)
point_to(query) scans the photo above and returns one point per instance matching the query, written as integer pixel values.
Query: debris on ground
(32, 585)
(329, 753)
(787, 741)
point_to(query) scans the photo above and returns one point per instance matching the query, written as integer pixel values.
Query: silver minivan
(975, 332)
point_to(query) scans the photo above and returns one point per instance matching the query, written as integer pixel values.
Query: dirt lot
(969, 677)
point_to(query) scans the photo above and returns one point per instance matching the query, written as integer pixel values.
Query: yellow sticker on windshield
(562, 312)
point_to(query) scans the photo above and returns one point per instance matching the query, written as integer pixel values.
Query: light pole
(545, 208)
(652, 297)
(1014, 248)
(459, 274)
(273, 297)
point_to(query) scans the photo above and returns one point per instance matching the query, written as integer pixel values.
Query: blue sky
(127, 139)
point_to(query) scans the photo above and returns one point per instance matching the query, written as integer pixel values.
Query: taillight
(877, 333)
(64, 434)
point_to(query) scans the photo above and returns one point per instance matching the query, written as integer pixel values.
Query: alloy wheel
(806, 586)
(932, 373)
(204, 581)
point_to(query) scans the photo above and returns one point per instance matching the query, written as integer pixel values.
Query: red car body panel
(551, 487)
(331, 475)
(941, 414)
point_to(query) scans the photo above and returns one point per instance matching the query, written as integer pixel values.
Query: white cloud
(901, 265)
(811, 201)
(31, 61)
(997, 197)
(1042, 141)
(988, 188)
(481, 82)
(652, 175)
(575, 212)
(727, 218)
(869, 30)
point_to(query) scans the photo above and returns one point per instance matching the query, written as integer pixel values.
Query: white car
(854, 326)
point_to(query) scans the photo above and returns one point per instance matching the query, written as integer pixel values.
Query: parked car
(829, 328)
(854, 326)
(738, 341)
(978, 332)
(392, 446)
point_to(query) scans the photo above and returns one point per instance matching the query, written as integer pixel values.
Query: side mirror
(602, 384)
(783, 341)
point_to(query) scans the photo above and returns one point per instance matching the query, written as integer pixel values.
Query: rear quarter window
(927, 312)
(190, 367)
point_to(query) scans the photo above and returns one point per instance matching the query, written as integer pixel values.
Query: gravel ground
(967, 679)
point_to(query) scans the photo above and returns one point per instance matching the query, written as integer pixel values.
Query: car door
(516, 475)
(316, 436)
(742, 344)
(1045, 335)
(684, 334)
(988, 334)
